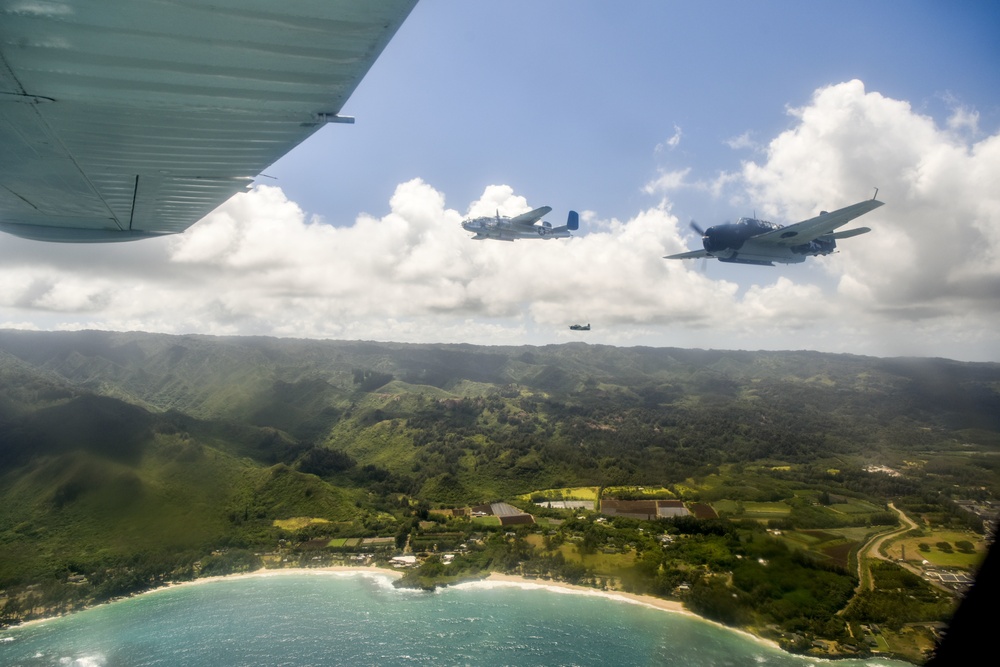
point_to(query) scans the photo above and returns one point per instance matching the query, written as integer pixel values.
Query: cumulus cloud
(936, 244)
(925, 281)
(258, 265)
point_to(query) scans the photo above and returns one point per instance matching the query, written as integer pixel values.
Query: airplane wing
(531, 217)
(135, 119)
(813, 228)
(693, 254)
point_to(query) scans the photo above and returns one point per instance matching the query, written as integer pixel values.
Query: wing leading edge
(531, 217)
(821, 225)
(693, 254)
(136, 120)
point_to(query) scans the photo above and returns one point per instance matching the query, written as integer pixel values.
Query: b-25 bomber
(522, 226)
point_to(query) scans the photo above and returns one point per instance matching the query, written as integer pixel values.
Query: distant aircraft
(752, 241)
(580, 327)
(123, 121)
(521, 227)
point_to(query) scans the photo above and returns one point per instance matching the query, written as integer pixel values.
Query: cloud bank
(926, 281)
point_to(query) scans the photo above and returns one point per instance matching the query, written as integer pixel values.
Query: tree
(965, 546)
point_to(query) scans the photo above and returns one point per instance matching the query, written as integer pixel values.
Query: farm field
(637, 492)
(834, 546)
(569, 493)
(748, 509)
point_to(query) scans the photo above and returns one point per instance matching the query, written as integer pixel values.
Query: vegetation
(130, 460)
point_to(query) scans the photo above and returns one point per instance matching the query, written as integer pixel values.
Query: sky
(642, 116)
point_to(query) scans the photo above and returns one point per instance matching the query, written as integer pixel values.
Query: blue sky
(642, 116)
(567, 101)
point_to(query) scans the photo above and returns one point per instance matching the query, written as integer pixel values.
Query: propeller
(703, 265)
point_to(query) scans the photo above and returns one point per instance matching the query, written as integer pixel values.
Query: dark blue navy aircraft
(752, 241)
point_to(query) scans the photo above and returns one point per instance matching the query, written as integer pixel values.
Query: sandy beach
(495, 579)
(645, 600)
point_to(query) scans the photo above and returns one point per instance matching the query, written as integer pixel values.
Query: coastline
(262, 572)
(493, 579)
(671, 606)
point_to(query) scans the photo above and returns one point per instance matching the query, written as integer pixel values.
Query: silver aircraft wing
(813, 228)
(134, 119)
(531, 217)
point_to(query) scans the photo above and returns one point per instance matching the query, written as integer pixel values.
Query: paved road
(871, 549)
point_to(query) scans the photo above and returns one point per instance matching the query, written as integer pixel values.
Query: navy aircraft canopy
(752, 241)
(126, 120)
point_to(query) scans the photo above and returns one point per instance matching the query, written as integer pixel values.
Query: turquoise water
(304, 619)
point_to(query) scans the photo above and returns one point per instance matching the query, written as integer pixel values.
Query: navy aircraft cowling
(522, 226)
(752, 241)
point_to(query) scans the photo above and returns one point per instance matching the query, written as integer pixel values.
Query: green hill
(130, 458)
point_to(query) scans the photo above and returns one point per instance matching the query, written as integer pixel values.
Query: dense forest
(130, 458)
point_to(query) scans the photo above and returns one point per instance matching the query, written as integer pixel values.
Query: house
(403, 561)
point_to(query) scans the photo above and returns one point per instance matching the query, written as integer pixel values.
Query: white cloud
(667, 181)
(743, 142)
(925, 281)
(671, 143)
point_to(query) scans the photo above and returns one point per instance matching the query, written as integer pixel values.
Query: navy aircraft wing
(693, 254)
(813, 228)
(531, 217)
(127, 120)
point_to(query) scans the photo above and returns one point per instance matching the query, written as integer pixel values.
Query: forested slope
(130, 457)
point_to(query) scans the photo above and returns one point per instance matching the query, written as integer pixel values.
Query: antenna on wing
(876, 193)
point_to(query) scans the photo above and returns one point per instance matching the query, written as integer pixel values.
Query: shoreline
(262, 572)
(659, 604)
(492, 579)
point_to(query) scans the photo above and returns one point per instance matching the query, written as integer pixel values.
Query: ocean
(353, 618)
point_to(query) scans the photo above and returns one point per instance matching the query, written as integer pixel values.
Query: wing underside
(139, 118)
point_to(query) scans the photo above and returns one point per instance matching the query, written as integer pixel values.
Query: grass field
(298, 522)
(601, 563)
(752, 510)
(833, 545)
(569, 493)
(486, 520)
(855, 506)
(639, 491)
(936, 556)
